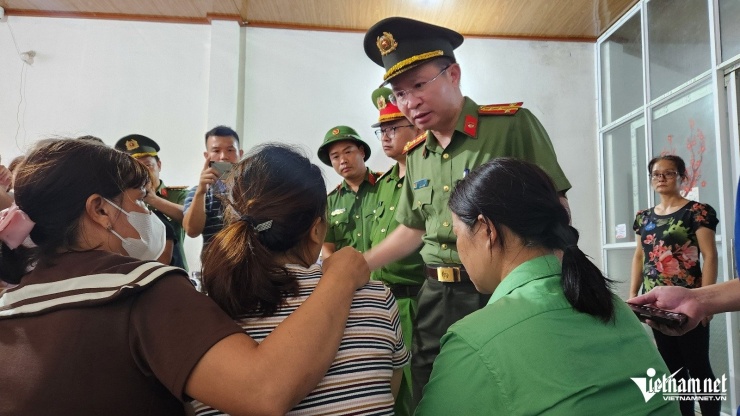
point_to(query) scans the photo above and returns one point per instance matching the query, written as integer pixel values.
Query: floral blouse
(670, 245)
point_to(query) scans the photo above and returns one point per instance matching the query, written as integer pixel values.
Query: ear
(241, 153)
(99, 211)
(159, 164)
(317, 232)
(490, 231)
(455, 74)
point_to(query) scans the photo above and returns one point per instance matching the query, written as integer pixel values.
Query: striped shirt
(213, 210)
(358, 382)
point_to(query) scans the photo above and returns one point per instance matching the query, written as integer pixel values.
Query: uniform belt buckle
(448, 274)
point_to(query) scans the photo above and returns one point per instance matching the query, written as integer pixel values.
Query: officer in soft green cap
(405, 276)
(349, 205)
(165, 201)
(460, 135)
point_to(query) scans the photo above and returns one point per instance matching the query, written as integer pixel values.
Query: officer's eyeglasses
(402, 96)
(389, 131)
(671, 174)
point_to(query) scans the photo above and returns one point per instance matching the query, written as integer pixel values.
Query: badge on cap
(335, 132)
(386, 43)
(381, 103)
(132, 144)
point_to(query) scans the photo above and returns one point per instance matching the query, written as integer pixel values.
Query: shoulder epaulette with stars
(500, 109)
(414, 143)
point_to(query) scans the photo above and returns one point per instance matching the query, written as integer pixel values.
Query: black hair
(240, 271)
(520, 196)
(52, 186)
(222, 131)
(680, 164)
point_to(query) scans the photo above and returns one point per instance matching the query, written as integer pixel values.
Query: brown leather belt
(404, 291)
(446, 273)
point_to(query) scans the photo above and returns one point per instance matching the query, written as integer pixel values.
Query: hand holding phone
(660, 316)
(222, 167)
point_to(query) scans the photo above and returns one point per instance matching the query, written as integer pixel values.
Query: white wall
(172, 82)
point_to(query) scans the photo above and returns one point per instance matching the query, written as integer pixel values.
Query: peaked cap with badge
(337, 134)
(137, 145)
(385, 102)
(399, 44)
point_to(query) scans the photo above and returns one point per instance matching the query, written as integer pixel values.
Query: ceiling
(582, 20)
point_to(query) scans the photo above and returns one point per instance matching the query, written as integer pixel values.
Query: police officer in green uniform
(460, 136)
(404, 277)
(350, 205)
(165, 201)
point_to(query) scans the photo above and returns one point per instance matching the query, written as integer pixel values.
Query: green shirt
(176, 195)
(432, 172)
(409, 270)
(528, 352)
(350, 214)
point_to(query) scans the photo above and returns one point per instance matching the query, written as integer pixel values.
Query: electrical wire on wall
(26, 59)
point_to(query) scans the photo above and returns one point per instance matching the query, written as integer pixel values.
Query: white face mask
(152, 234)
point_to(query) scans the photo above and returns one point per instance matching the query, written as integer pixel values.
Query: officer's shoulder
(384, 174)
(413, 144)
(508, 109)
(335, 190)
(375, 176)
(178, 188)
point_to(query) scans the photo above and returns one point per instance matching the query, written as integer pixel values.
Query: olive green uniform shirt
(432, 172)
(409, 270)
(350, 214)
(175, 195)
(529, 352)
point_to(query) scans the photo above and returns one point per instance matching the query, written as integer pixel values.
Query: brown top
(129, 356)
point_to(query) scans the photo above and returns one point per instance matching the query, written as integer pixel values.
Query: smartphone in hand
(667, 318)
(222, 167)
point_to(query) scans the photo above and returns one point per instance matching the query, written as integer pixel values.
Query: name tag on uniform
(421, 183)
(338, 211)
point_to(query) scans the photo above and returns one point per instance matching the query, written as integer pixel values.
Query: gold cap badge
(335, 132)
(131, 144)
(386, 43)
(381, 102)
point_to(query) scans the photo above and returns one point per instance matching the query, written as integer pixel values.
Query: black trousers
(690, 352)
(439, 306)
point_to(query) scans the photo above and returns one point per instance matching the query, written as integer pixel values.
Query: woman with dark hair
(553, 339)
(262, 266)
(671, 235)
(95, 329)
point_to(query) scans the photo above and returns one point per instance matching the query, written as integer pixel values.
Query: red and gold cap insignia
(386, 43)
(381, 103)
(132, 144)
(335, 132)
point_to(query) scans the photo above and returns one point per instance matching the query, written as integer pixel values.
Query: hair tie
(264, 226)
(15, 226)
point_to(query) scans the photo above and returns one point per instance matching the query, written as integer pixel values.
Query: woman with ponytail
(95, 326)
(262, 266)
(553, 339)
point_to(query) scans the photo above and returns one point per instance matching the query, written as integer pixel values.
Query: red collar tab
(471, 126)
